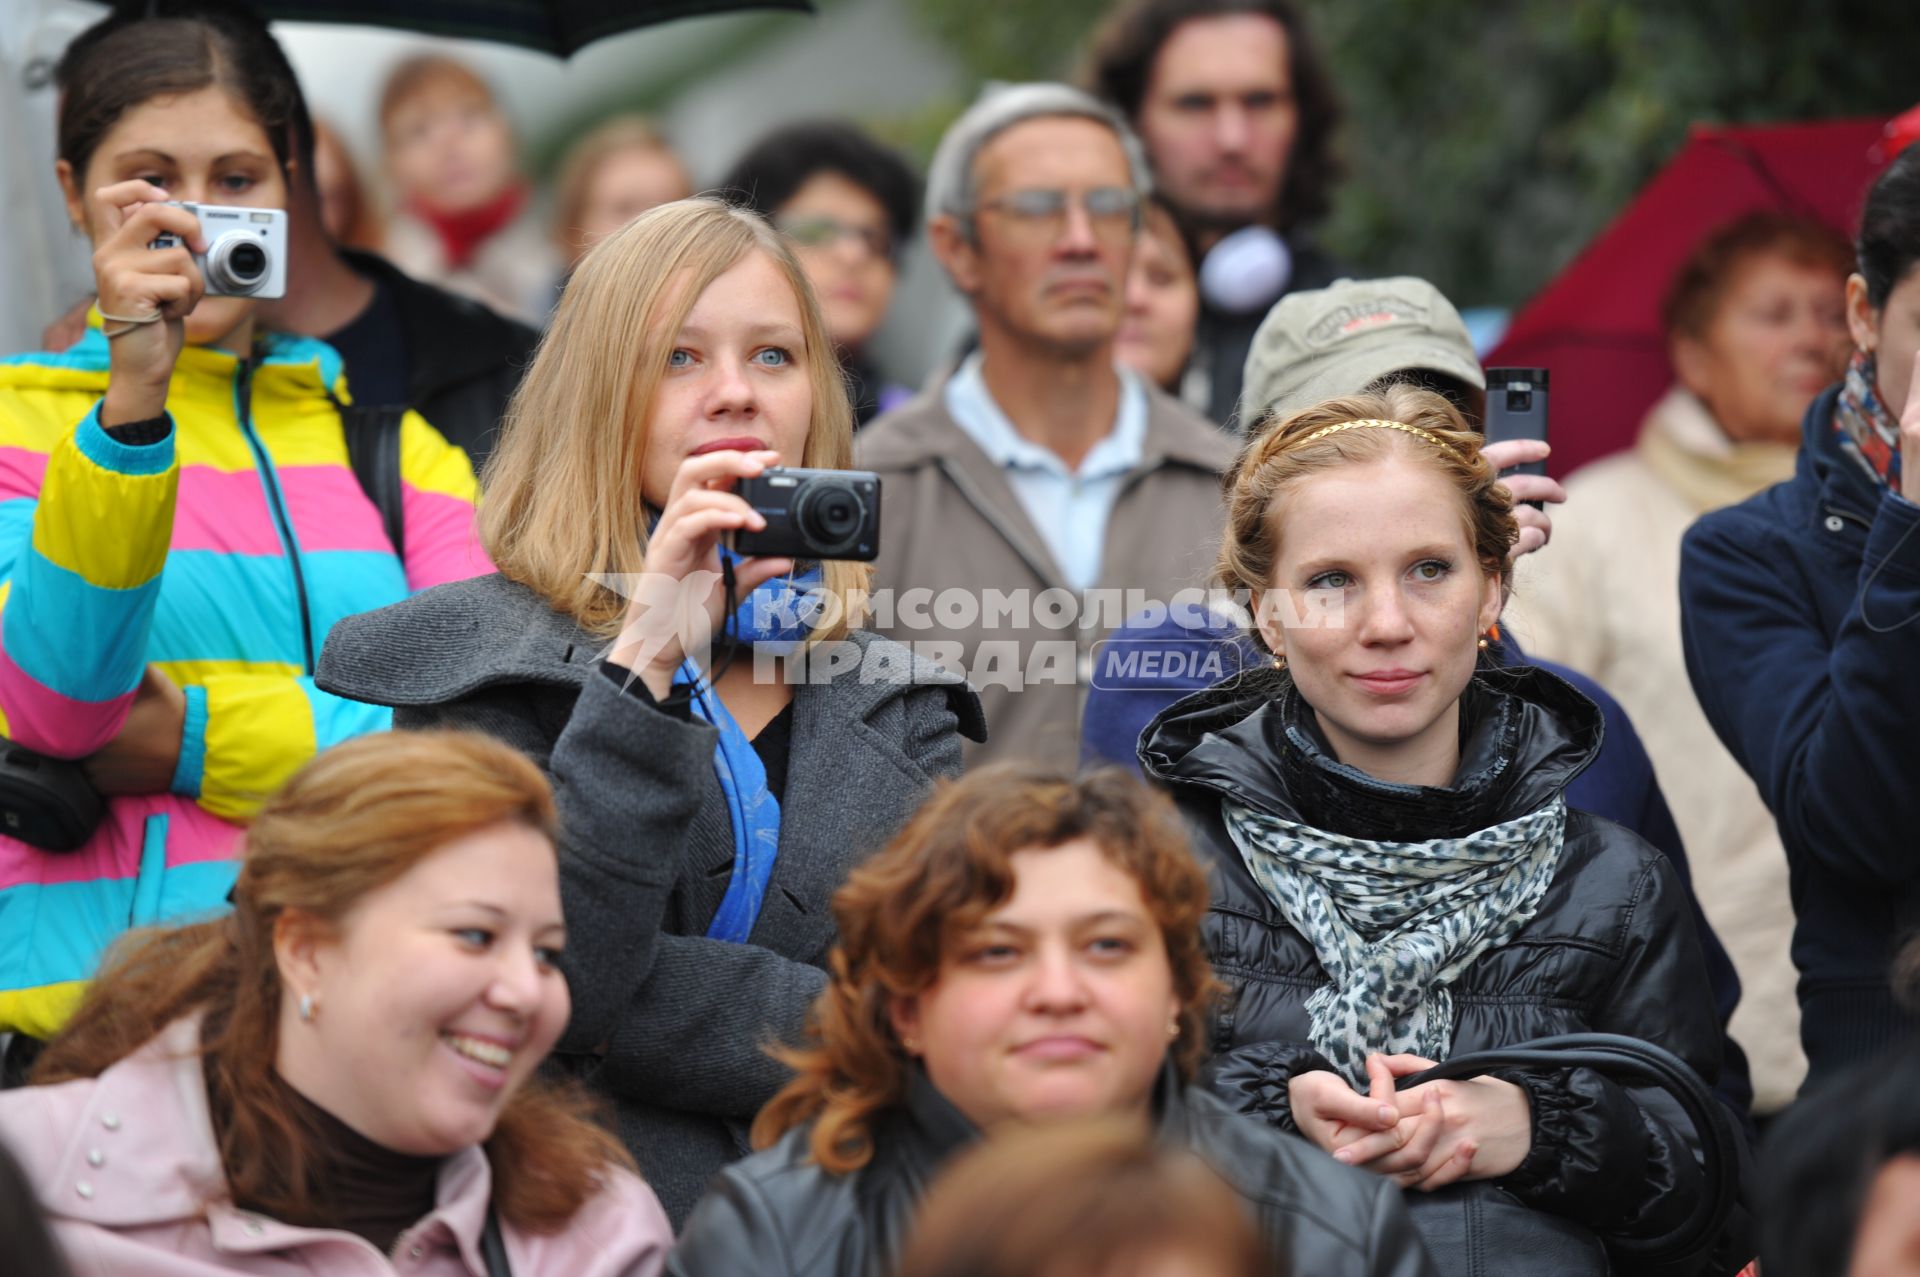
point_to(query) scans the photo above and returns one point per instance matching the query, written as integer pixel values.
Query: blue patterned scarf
(777, 616)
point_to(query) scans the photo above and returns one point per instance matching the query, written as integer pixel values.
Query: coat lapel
(985, 487)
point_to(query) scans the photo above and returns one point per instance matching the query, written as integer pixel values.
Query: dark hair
(1128, 44)
(1694, 296)
(1469, 400)
(152, 48)
(900, 912)
(422, 71)
(1083, 1199)
(775, 168)
(24, 1225)
(1820, 1159)
(1889, 244)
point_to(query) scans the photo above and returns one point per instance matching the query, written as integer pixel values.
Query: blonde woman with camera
(710, 806)
(179, 523)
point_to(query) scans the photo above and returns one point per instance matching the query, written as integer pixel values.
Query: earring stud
(306, 1006)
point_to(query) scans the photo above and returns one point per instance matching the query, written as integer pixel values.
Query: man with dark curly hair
(1237, 112)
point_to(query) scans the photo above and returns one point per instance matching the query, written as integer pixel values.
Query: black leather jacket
(778, 1214)
(1610, 950)
(464, 360)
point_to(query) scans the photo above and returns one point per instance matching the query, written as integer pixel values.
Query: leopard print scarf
(1395, 923)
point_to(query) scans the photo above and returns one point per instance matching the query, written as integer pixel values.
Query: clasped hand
(1425, 1137)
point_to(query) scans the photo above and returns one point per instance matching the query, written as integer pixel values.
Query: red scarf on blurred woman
(461, 234)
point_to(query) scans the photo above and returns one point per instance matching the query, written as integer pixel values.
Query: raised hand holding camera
(145, 294)
(677, 604)
(245, 253)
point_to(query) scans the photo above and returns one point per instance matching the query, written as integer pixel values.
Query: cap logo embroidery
(1347, 320)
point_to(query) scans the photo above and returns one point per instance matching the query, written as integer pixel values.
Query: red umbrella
(1596, 326)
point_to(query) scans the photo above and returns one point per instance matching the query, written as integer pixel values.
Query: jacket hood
(1528, 734)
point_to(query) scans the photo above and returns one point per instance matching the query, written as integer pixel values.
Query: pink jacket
(128, 1172)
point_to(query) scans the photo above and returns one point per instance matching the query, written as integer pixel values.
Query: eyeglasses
(1111, 210)
(824, 232)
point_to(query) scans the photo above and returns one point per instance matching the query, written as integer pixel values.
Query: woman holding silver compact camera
(710, 806)
(179, 524)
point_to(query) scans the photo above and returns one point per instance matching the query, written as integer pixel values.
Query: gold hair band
(1402, 426)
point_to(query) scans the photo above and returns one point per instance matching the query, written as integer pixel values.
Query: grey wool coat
(670, 1025)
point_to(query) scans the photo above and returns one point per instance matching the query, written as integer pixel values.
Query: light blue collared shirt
(1069, 507)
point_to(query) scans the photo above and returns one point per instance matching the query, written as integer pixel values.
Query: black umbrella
(551, 26)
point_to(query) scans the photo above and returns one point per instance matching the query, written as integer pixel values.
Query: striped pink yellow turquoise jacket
(221, 555)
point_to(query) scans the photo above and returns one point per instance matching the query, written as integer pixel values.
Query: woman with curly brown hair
(1397, 878)
(1026, 950)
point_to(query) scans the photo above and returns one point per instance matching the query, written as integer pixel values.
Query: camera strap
(493, 1246)
(373, 453)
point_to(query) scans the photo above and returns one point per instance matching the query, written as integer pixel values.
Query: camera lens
(247, 261)
(236, 265)
(829, 514)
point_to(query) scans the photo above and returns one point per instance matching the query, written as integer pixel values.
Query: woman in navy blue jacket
(1799, 610)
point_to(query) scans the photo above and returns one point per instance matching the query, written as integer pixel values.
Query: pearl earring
(306, 1006)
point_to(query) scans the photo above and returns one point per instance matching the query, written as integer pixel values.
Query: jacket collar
(924, 433)
(935, 1130)
(450, 339)
(142, 1152)
(1535, 733)
(298, 367)
(1843, 485)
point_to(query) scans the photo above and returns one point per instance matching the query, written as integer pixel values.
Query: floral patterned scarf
(1868, 432)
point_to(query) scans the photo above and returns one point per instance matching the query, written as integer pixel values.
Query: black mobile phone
(1517, 409)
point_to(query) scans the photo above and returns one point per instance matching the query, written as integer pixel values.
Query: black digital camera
(813, 514)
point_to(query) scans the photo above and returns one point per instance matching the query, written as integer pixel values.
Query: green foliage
(1487, 140)
(1013, 39)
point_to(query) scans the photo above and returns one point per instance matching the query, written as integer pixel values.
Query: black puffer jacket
(1610, 949)
(778, 1214)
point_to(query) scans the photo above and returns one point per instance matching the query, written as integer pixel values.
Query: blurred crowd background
(1481, 145)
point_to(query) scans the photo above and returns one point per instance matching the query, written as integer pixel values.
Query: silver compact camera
(246, 249)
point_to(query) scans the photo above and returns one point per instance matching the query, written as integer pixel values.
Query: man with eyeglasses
(1041, 491)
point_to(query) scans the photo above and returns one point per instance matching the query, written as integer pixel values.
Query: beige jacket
(966, 577)
(1603, 597)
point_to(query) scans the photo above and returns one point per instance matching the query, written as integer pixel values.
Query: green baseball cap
(1323, 343)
